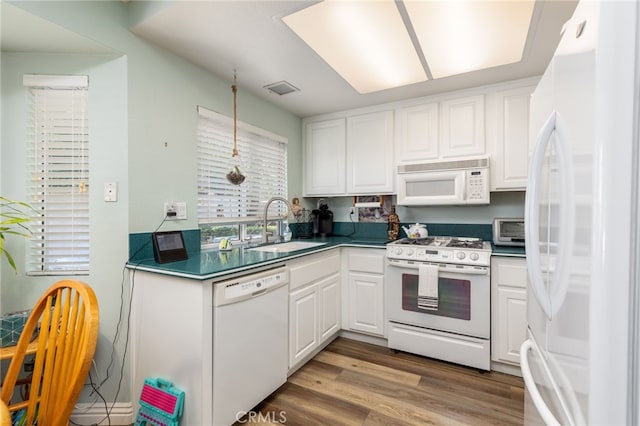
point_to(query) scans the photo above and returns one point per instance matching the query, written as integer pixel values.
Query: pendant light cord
(234, 89)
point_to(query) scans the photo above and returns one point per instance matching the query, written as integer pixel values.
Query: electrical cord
(95, 389)
(353, 224)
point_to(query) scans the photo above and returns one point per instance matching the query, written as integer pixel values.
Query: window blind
(262, 159)
(58, 174)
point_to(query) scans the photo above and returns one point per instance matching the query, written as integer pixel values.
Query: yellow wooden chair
(68, 319)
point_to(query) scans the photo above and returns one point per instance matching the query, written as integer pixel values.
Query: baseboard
(500, 367)
(366, 338)
(95, 414)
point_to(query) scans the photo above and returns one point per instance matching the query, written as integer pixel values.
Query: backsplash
(503, 204)
(378, 231)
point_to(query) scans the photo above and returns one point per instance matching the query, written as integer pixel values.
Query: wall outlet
(175, 210)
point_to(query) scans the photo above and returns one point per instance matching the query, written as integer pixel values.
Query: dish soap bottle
(393, 225)
(287, 234)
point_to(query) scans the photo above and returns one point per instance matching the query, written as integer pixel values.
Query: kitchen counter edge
(184, 269)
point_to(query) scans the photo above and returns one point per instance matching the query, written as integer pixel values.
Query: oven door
(463, 298)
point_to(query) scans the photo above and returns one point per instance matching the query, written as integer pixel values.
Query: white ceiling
(248, 36)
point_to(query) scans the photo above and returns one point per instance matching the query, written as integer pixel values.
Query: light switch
(110, 191)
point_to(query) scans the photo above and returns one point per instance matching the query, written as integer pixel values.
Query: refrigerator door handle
(550, 299)
(546, 414)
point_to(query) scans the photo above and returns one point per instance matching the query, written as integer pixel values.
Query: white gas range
(457, 250)
(438, 295)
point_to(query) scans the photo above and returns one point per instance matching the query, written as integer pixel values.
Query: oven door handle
(466, 270)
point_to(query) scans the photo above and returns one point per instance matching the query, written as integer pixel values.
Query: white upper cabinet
(370, 153)
(417, 136)
(355, 152)
(441, 128)
(508, 133)
(462, 127)
(350, 156)
(324, 154)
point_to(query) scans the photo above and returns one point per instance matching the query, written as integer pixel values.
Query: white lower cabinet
(314, 303)
(363, 292)
(304, 334)
(508, 308)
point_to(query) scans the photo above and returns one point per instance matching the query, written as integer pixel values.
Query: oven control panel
(442, 255)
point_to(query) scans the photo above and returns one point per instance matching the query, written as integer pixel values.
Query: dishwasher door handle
(259, 292)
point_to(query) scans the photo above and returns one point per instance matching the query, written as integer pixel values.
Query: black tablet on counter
(169, 246)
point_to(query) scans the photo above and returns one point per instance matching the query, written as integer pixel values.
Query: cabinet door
(512, 324)
(508, 308)
(417, 133)
(303, 323)
(366, 303)
(462, 127)
(324, 157)
(329, 306)
(510, 131)
(370, 153)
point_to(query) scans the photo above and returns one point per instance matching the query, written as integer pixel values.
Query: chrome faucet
(265, 234)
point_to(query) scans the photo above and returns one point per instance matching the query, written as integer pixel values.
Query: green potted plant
(13, 216)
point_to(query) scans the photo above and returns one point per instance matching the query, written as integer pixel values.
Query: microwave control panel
(477, 186)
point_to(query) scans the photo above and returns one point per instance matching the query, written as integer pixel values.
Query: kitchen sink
(287, 247)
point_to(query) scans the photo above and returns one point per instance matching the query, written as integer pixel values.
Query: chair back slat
(68, 317)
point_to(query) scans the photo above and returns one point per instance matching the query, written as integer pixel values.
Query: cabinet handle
(550, 299)
(530, 384)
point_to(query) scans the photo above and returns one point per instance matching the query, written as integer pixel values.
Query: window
(226, 210)
(58, 174)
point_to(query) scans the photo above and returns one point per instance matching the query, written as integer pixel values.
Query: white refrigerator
(580, 359)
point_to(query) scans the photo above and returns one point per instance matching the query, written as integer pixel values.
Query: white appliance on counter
(439, 298)
(250, 335)
(455, 182)
(580, 362)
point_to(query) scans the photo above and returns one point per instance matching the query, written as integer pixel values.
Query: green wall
(142, 127)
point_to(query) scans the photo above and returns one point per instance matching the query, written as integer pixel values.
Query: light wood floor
(355, 383)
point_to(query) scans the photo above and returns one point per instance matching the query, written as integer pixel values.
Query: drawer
(507, 271)
(309, 269)
(367, 260)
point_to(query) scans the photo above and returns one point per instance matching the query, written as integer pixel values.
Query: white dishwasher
(250, 331)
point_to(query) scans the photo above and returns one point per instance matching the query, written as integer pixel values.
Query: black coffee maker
(322, 221)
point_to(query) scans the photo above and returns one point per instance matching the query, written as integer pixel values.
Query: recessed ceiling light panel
(365, 42)
(468, 35)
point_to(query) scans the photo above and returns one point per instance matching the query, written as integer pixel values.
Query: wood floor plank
(437, 400)
(303, 406)
(355, 383)
(388, 406)
(386, 373)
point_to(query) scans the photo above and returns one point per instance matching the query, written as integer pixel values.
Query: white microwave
(456, 182)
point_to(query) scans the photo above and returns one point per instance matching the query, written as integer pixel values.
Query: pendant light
(235, 176)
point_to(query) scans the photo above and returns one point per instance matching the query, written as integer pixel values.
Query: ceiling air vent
(281, 88)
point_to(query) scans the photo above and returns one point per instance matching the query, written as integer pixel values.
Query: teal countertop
(214, 263)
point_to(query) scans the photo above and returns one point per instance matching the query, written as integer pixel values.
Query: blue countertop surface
(214, 263)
